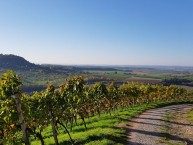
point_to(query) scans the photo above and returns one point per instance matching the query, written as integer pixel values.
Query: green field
(141, 75)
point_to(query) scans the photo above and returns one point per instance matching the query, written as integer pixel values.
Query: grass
(110, 74)
(103, 130)
(122, 74)
(190, 116)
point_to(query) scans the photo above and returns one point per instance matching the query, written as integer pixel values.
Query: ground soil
(153, 127)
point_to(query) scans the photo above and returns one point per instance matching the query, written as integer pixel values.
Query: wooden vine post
(21, 119)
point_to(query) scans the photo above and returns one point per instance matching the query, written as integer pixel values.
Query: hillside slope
(15, 62)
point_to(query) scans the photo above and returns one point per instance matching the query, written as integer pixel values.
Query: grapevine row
(31, 114)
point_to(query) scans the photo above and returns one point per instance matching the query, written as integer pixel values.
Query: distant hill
(18, 63)
(15, 63)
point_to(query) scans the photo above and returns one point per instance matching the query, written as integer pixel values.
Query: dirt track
(147, 129)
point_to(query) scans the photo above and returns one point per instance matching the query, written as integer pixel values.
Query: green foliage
(73, 106)
(9, 84)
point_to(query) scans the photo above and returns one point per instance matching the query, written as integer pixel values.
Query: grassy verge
(103, 130)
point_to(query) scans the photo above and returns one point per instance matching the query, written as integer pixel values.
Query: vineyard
(23, 116)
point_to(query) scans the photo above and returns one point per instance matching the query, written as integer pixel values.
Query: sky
(98, 32)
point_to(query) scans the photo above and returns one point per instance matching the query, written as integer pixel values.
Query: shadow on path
(170, 137)
(146, 127)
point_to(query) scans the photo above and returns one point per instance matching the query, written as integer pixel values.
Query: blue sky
(115, 32)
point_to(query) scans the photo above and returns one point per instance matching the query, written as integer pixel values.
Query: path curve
(146, 128)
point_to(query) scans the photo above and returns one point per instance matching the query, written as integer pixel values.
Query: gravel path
(146, 128)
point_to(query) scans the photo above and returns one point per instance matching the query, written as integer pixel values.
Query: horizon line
(121, 65)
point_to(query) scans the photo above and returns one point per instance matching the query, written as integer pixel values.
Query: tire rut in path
(146, 128)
